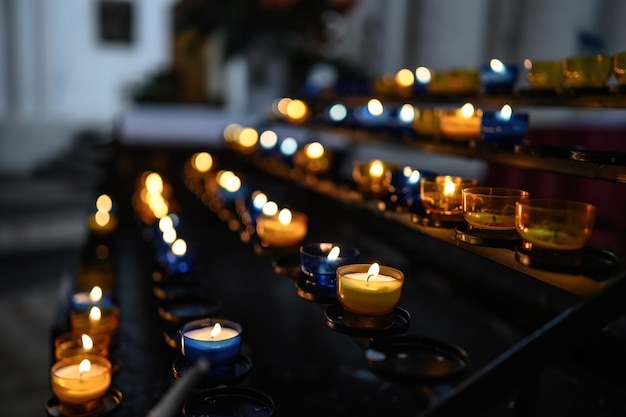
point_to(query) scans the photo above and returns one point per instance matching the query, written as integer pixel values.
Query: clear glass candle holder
(442, 195)
(559, 225)
(373, 177)
(491, 208)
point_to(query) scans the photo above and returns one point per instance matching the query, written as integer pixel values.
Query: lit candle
(217, 340)
(492, 207)
(374, 177)
(95, 297)
(462, 123)
(319, 261)
(442, 195)
(75, 343)
(313, 158)
(504, 126)
(369, 290)
(95, 320)
(497, 77)
(285, 229)
(81, 380)
(552, 238)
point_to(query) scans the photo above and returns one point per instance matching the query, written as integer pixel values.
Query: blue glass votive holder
(405, 185)
(319, 268)
(498, 78)
(507, 130)
(217, 340)
(82, 301)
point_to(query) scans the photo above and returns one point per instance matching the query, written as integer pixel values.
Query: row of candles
(464, 123)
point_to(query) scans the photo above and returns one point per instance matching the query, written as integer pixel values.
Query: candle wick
(368, 277)
(494, 218)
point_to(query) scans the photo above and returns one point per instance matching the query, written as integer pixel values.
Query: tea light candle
(81, 379)
(285, 229)
(217, 340)
(462, 123)
(95, 297)
(95, 320)
(442, 195)
(369, 289)
(373, 177)
(496, 77)
(548, 238)
(319, 261)
(75, 343)
(503, 126)
(492, 207)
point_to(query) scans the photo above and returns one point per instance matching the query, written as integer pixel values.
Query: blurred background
(71, 71)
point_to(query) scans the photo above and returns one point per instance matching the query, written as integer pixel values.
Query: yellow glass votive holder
(96, 321)
(80, 383)
(281, 231)
(619, 68)
(74, 343)
(559, 225)
(491, 208)
(442, 196)
(369, 295)
(426, 121)
(454, 81)
(373, 178)
(545, 75)
(463, 123)
(587, 71)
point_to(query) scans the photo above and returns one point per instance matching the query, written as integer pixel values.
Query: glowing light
(87, 342)
(284, 216)
(296, 109)
(373, 271)
(102, 218)
(314, 150)
(375, 107)
(166, 223)
(414, 177)
(288, 146)
(406, 113)
(95, 314)
(95, 294)
(169, 236)
(423, 75)
(467, 111)
(334, 253)
(154, 183)
(377, 169)
(84, 366)
(258, 199)
(405, 78)
(202, 161)
(104, 203)
(281, 105)
(179, 247)
(337, 112)
(231, 132)
(528, 64)
(497, 66)
(270, 208)
(505, 113)
(268, 139)
(216, 330)
(449, 187)
(248, 137)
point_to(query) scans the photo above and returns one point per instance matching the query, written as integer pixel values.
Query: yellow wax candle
(553, 239)
(287, 229)
(365, 292)
(81, 379)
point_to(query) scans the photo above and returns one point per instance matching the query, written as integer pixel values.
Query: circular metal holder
(307, 290)
(585, 260)
(287, 265)
(228, 375)
(229, 401)
(110, 402)
(415, 359)
(486, 237)
(399, 323)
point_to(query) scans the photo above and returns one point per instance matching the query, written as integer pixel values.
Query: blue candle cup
(507, 130)
(499, 79)
(319, 269)
(81, 301)
(405, 185)
(199, 340)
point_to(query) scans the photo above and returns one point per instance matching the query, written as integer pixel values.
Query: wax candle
(369, 289)
(442, 195)
(285, 229)
(217, 340)
(81, 379)
(504, 126)
(497, 77)
(462, 123)
(75, 343)
(319, 261)
(373, 177)
(95, 320)
(95, 297)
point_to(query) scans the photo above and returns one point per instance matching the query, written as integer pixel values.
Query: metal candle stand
(485, 237)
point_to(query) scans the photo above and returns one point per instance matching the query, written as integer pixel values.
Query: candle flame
(104, 203)
(375, 107)
(85, 366)
(95, 314)
(377, 169)
(449, 187)
(202, 161)
(373, 271)
(314, 150)
(179, 247)
(259, 199)
(497, 66)
(165, 223)
(270, 208)
(268, 139)
(284, 216)
(95, 294)
(154, 183)
(87, 342)
(467, 111)
(102, 217)
(505, 113)
(216, 330)
(423, 75)
(405, 78)
(334, 253)
(170, 235)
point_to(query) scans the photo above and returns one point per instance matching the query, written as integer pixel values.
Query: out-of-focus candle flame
(258, 199)
(95, 294)
(405, 78)
(202, 161)
(229, 181)
(268, 139)
(373, 271)
(497, 66)
(166, 223)
(270, 208)
(528, 64)
(248, 137)
(413, 175)
(288, 146)
(377, 169)
(337, 112)
(104, 203)
(86, 341)
(505, 113)
(449, 187)
(423, 75)
(375, 107)
(333, 254)
(406, 113)
(284, 216)
(296, 109)
(95, 314)
(84, 366)
(179, 247)
(467, 111)
(216, 330)
(314, 150)
(154, 183)
(102, 218)
(169, 235)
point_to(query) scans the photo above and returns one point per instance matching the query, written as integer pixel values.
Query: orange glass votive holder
(491, 208)
(72, 343)
(442, 196)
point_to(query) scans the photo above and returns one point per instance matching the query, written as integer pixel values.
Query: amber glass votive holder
(491, 208)
(373, 178)
(545, 75)
(70, 344)
(442, 196)
(557, 225)
(107, 324)
(587, 71)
